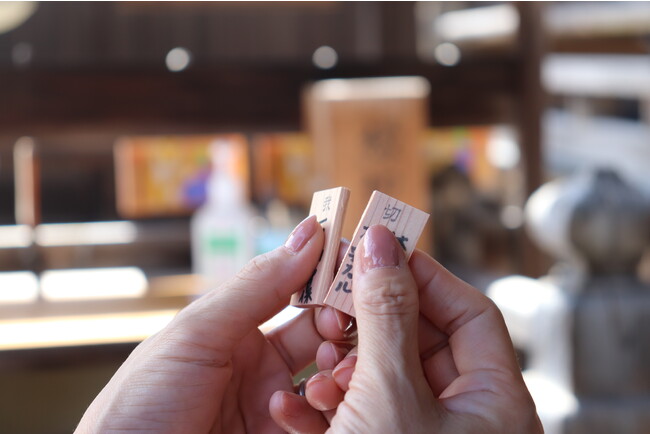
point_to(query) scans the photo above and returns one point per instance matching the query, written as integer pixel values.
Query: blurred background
(148, 150)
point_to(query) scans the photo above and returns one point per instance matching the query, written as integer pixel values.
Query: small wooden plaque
(405, 221)
(329, 208)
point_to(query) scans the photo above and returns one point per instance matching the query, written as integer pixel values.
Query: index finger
(261, 289)
(478, 336)
(298, 339)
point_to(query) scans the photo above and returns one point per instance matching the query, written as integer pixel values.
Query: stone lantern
(585, 328)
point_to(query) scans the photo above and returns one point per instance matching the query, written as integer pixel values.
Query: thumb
(258, 291)
(387, 305)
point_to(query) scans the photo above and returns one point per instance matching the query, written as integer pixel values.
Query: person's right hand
(434, 355)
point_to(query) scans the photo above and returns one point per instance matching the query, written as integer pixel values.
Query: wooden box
(367, 136)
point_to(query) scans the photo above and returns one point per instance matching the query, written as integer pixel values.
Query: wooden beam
(212, 99)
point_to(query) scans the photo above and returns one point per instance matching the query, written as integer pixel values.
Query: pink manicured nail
(380, 249)
(301, 234)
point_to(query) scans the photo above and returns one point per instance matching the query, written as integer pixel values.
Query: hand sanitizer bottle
(221, 230)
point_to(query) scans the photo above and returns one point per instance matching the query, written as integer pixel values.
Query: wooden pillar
(27, 182)
(531, 102)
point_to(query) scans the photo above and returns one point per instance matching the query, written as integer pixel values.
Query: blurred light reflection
(75, 234)
(447, 54)
(481, 22)
(325, 57)
(15, 236)
(18, 287)
(178, 59)
(93, 284)
(82, 330)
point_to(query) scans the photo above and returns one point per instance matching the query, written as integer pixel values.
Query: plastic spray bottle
(221, 230)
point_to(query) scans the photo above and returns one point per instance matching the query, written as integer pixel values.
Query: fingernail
(340, 351)
(292, 405)
(314, 398)
(301, 234)
(348, 362)
(344, 321)
(317, 378)
(330, 354)
(379, 249)
(343, 372)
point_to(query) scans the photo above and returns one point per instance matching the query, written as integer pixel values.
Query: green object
(222, 244)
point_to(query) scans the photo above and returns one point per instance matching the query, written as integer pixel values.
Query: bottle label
(222, 244)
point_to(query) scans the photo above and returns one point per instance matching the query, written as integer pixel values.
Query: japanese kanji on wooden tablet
(403, 220)
(329, 208)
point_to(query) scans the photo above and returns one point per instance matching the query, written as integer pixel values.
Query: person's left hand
(211, 369)
(433, 355)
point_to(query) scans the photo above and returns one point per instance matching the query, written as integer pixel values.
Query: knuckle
(389, 297)
(256, 269)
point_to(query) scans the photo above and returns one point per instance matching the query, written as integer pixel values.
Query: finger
(331, 354)
(332, 324)
(437, 359)
(259, 289)
(440, 370)
(297, 341)
(343, 372)
(478, 337)
(329, 415)
(435, 353)
(294, 414)
(386, 304)
(322, 392)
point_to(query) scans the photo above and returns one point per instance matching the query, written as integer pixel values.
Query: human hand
(211, 369)
(434, 355)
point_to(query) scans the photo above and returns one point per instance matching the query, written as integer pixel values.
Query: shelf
(43, 325)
